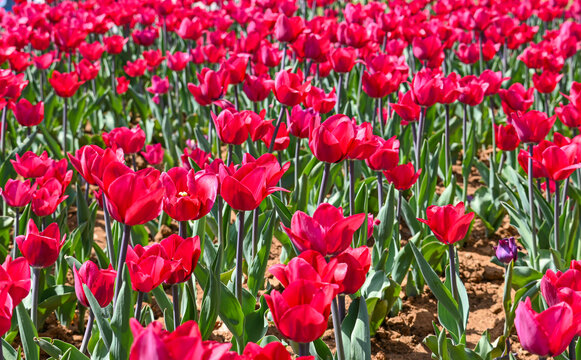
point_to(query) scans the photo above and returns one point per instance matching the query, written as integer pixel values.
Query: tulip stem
(339, 86)
(175, 293)
(398, 216)
(379, 189)
(493, 156)
(134, 162)
(16, 230)
(273, 139)
(35, 285)
(548, 189)
(447, 140)
(107, 218)
(464, 151)
(452, 256)
(380, 114)
(239, 245)
(565, 190)
(324, 179)
(230, 150)
(501, 163)
(220, 235)
(341, 306)
(88, 331)
(255, 231)
(297, 162)
(138, 305)
(572, 353)
(337, 330)
(236, 101)
(65, 123)
(419, 138)
(3, 132)
(532, 208)
(304, 349)
(351, 165)
(557, 213)
(121, 262)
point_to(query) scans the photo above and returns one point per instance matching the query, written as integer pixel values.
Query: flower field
(290, 179)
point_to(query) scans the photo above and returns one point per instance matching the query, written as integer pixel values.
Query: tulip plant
(283, 168)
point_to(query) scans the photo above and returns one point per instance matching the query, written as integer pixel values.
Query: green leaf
(27, 333)
(8, 351)
(165, 305)
(356, 332)
(210, 306)
(281, 210)
(102, 323)
(122, 337)
(522, 275)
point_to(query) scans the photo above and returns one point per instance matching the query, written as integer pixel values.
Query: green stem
(239, 245)
(121, 263)
(35, 285)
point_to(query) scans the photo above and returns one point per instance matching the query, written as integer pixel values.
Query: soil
(400, 337)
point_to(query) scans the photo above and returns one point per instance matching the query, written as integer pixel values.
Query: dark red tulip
(257, 88)
(130, 140)
(302, 310)
(17, 194)
(569, 115)
(449, 223)
(289, 88)
(516, 98)
(358, 262)
(403, 177)
(31, 165)
(41, 249)
(327, 231)
(506, 137)
(300, 121)
(546, 82)
(145, 37)
(148, 266)
(532, 126)
(133, 197)
(66, 84)
(184, 254)
(188, 195)
(99, 281)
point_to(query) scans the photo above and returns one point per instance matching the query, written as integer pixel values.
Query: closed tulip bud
(41, 249)
(65, 85)
(17, 194)
(302, 310)
(427, 87)
(27, 114)
(31, 165)
(406, 108)
(569, 115)
(516, 98)
(331, 140)
(327, 231)
(257, 88)
(230, 127)
(532, 126)
(288, 29)
(99, 281)
(133, 197)
(403, 177)
(184, 254)
(507, 250)
(506, 137)
(188, 195)
(371, 223)
(130, 140)
(449, 223)
(289, 88)
(547, 81)
(547, 333)
(145, 37)
(358, 262)
(378, 84)
(343, 59)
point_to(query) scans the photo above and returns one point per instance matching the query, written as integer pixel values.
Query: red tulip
(130, 140)
(122, 85)
(145, 37)
(184, 254)
(282, 140)
(493, 79)
(27, 114)
(66, 84)
(406, 108)
(41, 249)
(178, 61)
(274, 172)
(386, 156)
(90, 161)
(17, 194)
(44, 61)
(230, 127)
(428, 50)
(448, 223)
(309, 265)
(364, 144)
(91, 51)
(212, 86)
(16, 274)
(560, 162)
(289, 88)
(358, 262)
(245, 188)
(516, 98)
(99, 281)
(288, 29)
(379, 85)
(234, 69)
(19, 61)
(426, 87)
(190, 30)
(47, 198)
(532, 126)
(403, 177)
(133, 198)
(547, 81)
(198, 156)
(569, 115)
(327, 232)
(188, 195)
(553, 283)
(300, 121)
(547, 333)
(332, 139)
(471, 90)
(320, 101)
(153, 154)
(148, 267)
(136, 68)
(257, 88)
(451, 89)
(539, 170)
(158, 85)
(302, 310)
(343, 59)
(87, 71)
(5, 310)
(153, 59)
(271, 351)
(316, 47)
(575, 94)
(256, 125)
(353, 34)
(506, 137)
(114, 44)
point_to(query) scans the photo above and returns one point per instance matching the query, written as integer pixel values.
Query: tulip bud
(507, 250)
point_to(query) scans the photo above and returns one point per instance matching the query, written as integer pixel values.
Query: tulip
(308, 265)
(130, 140)
(257, 126)
(301, 311)
(91, 51)
(378, 85)
(507, 250)
(189, 30)
(158, 85)
(153, 154)
(506, 137)
(31, 165)
(257, 88)
(343, 59)
(271, 351)
(145, 37)
(289, 88)
(539, 170)
(406, 108)
(5, 310)
(122, 85)
(87, 71)
(546, 82)
(332, 139)
(212, 87)
(47, 198)
(320, 101)
(493, 79)
(426, 87)
(358, 262)
(177, 61)
(288, 29)
(532, 126)
(547, 333)
(386, 155)
(300, 121)
(148, 267)
(136, 68)
(17, 193)
(428, 50)
(327, 231)
(27, 114)
(403, 177)
(41, 249)
(114, 44)
(448, 223)
(471, 90)
(65, 84)
(188, 195)
(198, 156)
(16, 274)
(569, 115)
(353, 35)
(230, 127)
(516, 98)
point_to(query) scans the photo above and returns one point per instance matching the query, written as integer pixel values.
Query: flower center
(183, 194)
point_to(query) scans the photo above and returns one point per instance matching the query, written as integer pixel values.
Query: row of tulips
(191, 117)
